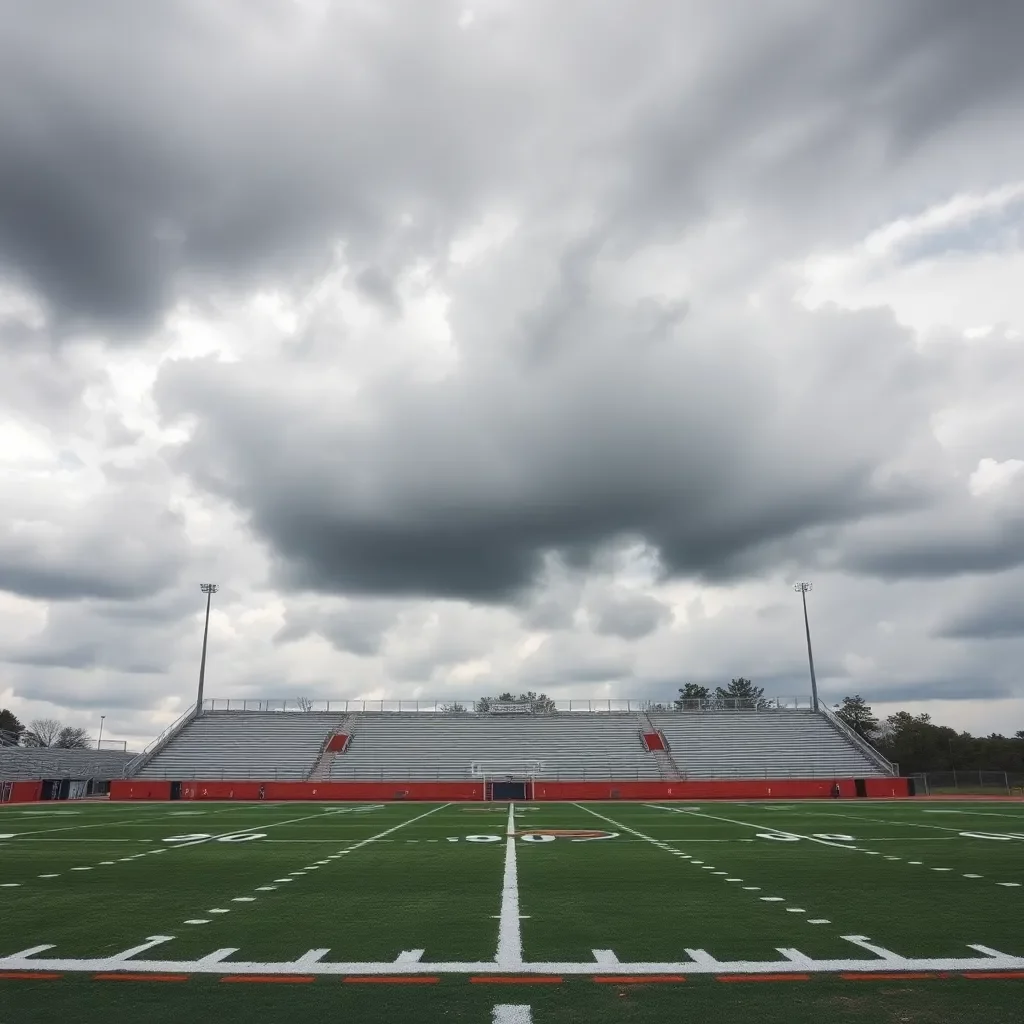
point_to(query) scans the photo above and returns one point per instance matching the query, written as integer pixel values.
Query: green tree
(856, 713)
(10, 725)
(453, 709)
(741, 694)
(540, 702)
(71, 738)
(689, 694)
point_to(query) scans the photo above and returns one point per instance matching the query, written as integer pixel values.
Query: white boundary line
(701, 963)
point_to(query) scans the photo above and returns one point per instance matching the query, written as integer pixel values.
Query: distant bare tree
(42, 732)
(305, 704)
(453, 709)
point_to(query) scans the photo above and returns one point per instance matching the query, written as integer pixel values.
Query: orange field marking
(993, 974)
(519, 979)
(638, 979)
(29, 975)
(392, 979)
(292, 979)
(894, 976)
(139, 977)
(763, 977)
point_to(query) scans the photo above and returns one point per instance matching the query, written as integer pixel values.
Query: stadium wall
(25, 792)
(730, 789)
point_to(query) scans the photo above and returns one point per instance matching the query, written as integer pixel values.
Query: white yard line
(510, 939)
(305, 871)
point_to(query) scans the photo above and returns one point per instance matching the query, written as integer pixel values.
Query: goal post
(507, 779)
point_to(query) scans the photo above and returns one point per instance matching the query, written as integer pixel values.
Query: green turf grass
(422, 884)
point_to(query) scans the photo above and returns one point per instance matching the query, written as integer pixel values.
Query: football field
(550, 912)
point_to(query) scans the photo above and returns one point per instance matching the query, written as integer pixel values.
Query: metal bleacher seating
(243, 745)
(760, 744)
(409, 745)
(21, 764)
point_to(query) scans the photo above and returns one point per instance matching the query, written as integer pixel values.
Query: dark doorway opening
(508, 791)
(862, 787)
(175, 790)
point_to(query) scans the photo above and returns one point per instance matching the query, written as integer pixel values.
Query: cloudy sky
(509, 344)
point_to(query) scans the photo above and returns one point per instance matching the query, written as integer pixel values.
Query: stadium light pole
(209, 589)
(99, 742)
(802, 589)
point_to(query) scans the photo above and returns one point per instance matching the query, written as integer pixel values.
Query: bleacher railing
(595, 706)
(859, 742)
(140, 760)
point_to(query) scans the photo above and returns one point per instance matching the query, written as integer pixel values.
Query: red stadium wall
(139, 789)
(732, 789)
(333, 790)
(25, 792)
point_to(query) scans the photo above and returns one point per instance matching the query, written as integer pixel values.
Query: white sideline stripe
(701, 962)
(510, 940)
(511, 1013)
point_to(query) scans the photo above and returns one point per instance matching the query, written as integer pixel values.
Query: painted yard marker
(197, 920)
(512, 1013)
(219, 910)
(244, 899)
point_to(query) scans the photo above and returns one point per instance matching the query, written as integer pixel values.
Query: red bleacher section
(654, 741)
(338, 742)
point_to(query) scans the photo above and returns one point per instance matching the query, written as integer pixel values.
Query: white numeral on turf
(828, 836)
(538, 839)
(991, 835)
(197, 837)
(483, 839)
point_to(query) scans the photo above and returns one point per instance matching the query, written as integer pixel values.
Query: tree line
(917, 744)
(41, 732)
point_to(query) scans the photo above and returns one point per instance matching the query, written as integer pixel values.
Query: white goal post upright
(506, 771)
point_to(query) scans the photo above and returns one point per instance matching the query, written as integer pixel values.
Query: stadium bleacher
(244, 745)
(18, 764)
(760, 744)
(416, 745)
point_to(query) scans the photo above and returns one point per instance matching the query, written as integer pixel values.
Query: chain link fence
(965, 783)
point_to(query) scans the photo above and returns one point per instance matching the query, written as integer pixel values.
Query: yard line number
(541, 836)
(839, 838)
(196, 837)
